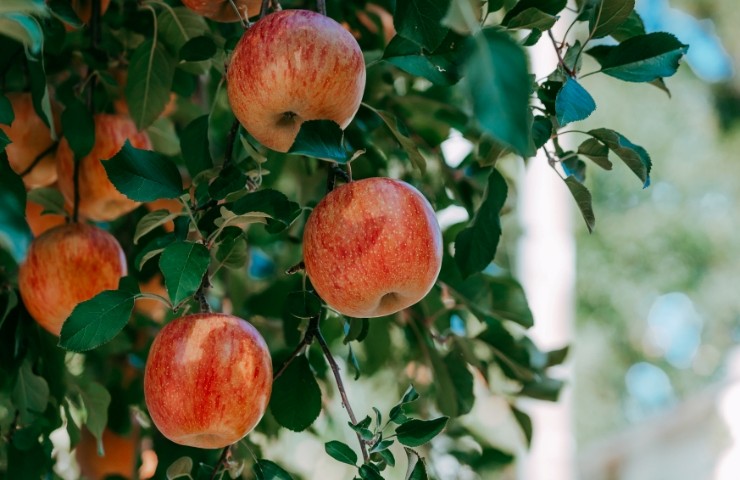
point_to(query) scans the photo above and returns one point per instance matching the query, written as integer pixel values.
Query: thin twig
(221, 461)
(321, 6)
(200, 295)
(298, 267)
(342, 393)
(230, 140)
(560, 57)
(311, 332)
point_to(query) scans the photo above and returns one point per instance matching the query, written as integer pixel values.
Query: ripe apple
(99, 199)
(223, 10)
(30, 137)
(207, 380)
(153, 309)
(372, 247)
(119, 458)
(65, 266)
(292, 66)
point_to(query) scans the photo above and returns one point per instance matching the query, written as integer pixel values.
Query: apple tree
(196, 140)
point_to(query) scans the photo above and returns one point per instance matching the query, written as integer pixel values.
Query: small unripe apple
(292, 66)
(207, 380)
(30, 137)
(66, 266)
(223, 10)
(372, 247)
(99, 199)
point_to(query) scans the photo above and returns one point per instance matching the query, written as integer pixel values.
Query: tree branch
(342, 393)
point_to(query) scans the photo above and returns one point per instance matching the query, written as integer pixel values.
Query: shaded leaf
(408, 145)
(341, 452)
(197, 49)
(6, 110)
(634, 156)
(583, 199)
(608, 15)
(267, 470)
(441, 67)
(180, 468)
(532, 18)
(282, 211)
(79, 128)
(418, 432)
(96, 399)
(597, 152)
(143, 175)
(151, 221)
(150, 73)
(296, 382)
(421, 21)
(183, 265)
(476, 246)
(498, 84)
(51, 199)
(194, 146)
(323, 139)
(30, 393)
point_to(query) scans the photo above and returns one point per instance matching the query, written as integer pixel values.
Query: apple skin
(65, 266)
(99, 199)
(30, 137)
(40, 223)
(207, 380)
(292, 66)
(119, 458)
(372, 247)
(222, 10)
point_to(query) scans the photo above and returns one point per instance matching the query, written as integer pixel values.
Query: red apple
(292, 66)
(99, 199)
(65, 266)
(372, 247)
(207, 380)
(223, 10)
(30, 137)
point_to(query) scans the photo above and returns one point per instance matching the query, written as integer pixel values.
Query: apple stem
(331, 177)
(221, 461)
(321, 6)
(340, 386)
(40, 156)
(200, 294)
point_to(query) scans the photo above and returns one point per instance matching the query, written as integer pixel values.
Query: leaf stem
(154, 296)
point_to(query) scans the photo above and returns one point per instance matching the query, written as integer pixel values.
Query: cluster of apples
(371, 247)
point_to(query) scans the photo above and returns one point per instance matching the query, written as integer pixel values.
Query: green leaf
(96, 399)
(408, 145)
(462, 380)
(197, 49)
(441, 67)
(296, 396)
(356, 329)
(597, 152)
(370, 472)
(232, 252)
(8, 300)
(608, 15)
(4, 141)
(164, 137)
(40, 92)
(143, 175)
(51, 199)
(532, 18)
(411, 395)
(6, 110)
(634, 156)
(523, 10)
(541, 131)
(178, 25)
(282, 211)
(267, 470)
(150, 73)
(583, 199)
(194, 146)
(415, 432)
(631, 27)
(14, 232)
(98, 320)
(151, 221)
(421, 21)
(30, 393)
(64, 11)
(182, 467)
(341, 452)
(416, 469)
(546, 388)
(573, 103)
(183, 265)
(464, 16)
(323, 139)
(79, 128)
(643, 58)
(444, 386)
(498, 84)
(362, 428)
(524, 422)
(476, 246)
(24, 29)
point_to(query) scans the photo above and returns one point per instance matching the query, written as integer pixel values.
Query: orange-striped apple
(372, 247)
(31, 137)
(223, 10)
(99, 199)
(65, 266)
(119, 458)
(207, 380)
(292, 66)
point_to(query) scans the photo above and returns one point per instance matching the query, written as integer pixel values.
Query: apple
(99, 199)
(119, 458)
(65, 266)
(30, 137)
(223, 10)
(369, 17)
(83, 9)
(372, 247)
(207, 380)
(153, 309)
(292, 66)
